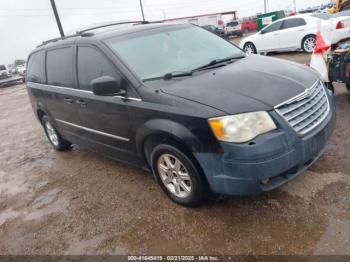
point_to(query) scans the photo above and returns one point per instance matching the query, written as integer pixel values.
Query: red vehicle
(251, 25)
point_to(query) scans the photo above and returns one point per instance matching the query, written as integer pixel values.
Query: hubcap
(310, 44)
(249, 50)
(174, 176)
(51, 133)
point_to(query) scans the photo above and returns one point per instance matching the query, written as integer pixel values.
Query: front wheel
(178, 176)
(309, 44)
(249, 49)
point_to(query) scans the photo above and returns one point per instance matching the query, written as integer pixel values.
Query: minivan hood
(251, 84)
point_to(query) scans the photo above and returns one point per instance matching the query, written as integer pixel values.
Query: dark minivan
(185, 103)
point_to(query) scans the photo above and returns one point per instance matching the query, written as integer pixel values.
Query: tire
(330, 86)
(53, 136)
(249, 48)
(309, 43)
(191, 188)
(348, 86)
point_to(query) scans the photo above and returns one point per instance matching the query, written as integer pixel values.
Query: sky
(24, 24)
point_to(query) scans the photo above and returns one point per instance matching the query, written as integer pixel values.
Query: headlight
(241, 128)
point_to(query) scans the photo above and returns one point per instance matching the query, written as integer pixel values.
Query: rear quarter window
(60, 67)
(36, 68)
(291, 23)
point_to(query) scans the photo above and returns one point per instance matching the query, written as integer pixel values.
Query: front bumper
(276, 157)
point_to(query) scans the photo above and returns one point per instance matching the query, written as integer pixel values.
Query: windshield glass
(177, 48)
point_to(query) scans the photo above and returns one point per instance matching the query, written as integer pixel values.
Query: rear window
(36, 68)
(60, 67)
(322, 16)
(2, 67)
(232, 24)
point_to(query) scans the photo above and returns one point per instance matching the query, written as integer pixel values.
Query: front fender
(169, 128)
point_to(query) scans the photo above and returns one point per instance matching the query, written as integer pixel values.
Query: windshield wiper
(210, 65)
(169, 76)
(216, 62)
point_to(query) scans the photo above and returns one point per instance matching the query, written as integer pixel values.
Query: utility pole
(58, 21)
(143, 15)
(265, 6)
(295, 6)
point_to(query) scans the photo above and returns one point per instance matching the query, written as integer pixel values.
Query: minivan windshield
(177, 48)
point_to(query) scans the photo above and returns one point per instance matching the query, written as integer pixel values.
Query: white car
(21, 70)
(297, 33)
(4, 72)
(233, 29)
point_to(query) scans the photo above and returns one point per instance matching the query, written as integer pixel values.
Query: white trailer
(216, 19)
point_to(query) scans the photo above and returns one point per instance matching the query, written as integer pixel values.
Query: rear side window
(274, 27)
(290, 23)
(91, 65)
(36, 68)
(60, 67)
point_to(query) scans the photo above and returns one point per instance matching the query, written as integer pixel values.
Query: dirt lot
(82, 203)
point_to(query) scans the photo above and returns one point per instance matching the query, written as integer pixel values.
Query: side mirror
(262, 31)
(107, 86)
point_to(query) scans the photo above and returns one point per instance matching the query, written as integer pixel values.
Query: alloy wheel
(249, 49)
(52, 134)
(174, 175)
(309, 44)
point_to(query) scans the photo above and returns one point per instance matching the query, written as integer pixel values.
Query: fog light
(265, 181)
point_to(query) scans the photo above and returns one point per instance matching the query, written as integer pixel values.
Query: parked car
(215, 30)
(21, 70)
(296, 33)
(4, 72)
(184, 103)
(250, 25)
(233, 29)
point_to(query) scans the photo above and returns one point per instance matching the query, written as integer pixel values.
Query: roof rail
(83, 32)
(58, 39)
(112, 24)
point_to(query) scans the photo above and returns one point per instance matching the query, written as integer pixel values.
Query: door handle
(68, 100)
(82, 103)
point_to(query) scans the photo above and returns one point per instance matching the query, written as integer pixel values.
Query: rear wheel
(309, 43)
(54, 137)
(249, 48)
(178, 176)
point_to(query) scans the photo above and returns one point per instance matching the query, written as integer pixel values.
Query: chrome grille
(307, 110)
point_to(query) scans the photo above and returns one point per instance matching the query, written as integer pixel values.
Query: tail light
(340, 25)
(347, 71)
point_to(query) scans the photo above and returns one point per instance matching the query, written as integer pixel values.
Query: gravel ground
(79, 202)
